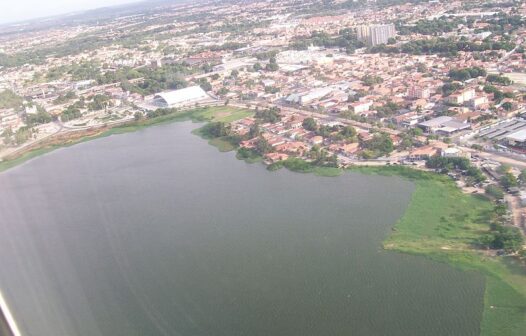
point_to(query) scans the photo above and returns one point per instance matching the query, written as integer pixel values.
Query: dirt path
(516, 210)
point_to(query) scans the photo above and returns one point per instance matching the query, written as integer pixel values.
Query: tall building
(376, 34)
(418, 92)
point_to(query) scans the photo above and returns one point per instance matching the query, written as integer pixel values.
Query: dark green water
(157, 233)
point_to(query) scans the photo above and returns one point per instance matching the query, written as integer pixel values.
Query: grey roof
(519, 136)
(436, 122)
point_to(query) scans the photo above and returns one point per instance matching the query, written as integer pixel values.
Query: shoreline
(505, 280)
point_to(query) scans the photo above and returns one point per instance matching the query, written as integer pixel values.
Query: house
(360, 107)
(316, 140)
(275, 157)
(453, 152)
(427, 151)
(349, 149)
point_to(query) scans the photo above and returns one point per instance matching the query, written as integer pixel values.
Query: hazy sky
(18, 10)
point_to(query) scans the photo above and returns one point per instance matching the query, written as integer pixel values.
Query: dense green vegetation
(215, 129)
(380, 145)
(72, 111)
(9, 99)
(449, 88)
(466, 73)
(429, 27)
(272, 65)
(64, 98)
(497, 94)
(78, 71)
(41, 117)
(270, 115)
(99, 102)
(446, 225)
(494, 191)
(346, 39)
(446, 165)
(388, 109)
(504, 23)
(335, 133)
(446, 46)
(302, 166)
(153, 79)
(497, 79)
(371, 80)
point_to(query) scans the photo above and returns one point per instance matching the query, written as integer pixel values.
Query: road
(252, 104)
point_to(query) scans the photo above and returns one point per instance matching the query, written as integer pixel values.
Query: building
(517, 139)
(360, 107)
(479, 101)
(182, 97)
(418, 92)
(374, 35)
(308, 97)
(453, 152)
(462, 97)
(444, 125)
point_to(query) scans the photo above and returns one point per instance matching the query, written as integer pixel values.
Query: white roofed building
(181, 97)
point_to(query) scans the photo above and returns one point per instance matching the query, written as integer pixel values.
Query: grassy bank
(444, 224)
(204, 114)
(301, 166)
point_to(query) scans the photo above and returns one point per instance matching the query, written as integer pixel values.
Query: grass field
(444, 224)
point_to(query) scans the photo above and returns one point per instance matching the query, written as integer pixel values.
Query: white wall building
(182, 97)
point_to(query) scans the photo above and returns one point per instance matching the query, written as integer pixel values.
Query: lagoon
(157, 233)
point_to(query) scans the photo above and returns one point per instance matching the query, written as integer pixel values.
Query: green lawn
(443, 223)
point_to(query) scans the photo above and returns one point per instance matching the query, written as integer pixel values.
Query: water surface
(157, 233)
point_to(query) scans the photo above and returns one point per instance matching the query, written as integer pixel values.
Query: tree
(270, 115)
(100, 101)
(502, 80)
(508, 180)
(262, 146)
(503, 168)
(204, 84)
(381, 144)
(137, 116)
(254, 131)
(222, 91)
(348, 132)
(522, 176)
(508, 106)
(507, 238)
(310, 124)
(272, 65)
(41, 117)
(216, 129)
(370, 80)
(494, 191)
(9, 99)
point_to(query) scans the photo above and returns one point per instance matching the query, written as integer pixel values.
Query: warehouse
(182, 97)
